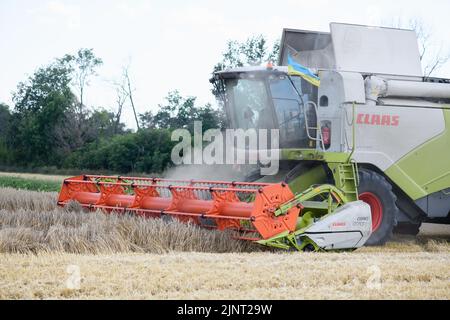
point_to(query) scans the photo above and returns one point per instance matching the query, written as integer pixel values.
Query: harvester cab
(269, 98)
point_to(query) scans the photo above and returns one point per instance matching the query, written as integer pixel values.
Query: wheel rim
(375, 207)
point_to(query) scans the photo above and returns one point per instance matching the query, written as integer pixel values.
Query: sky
(174, 44)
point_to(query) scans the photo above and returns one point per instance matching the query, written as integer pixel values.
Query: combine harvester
(373, 107)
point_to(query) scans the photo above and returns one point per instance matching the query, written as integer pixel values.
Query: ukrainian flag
(296, 69)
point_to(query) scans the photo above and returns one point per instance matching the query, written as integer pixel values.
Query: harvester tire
(376, 191)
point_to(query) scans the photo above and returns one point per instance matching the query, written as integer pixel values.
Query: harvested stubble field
(42, 248)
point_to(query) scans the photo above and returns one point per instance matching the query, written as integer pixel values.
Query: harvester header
(195, 201)
(268, 213)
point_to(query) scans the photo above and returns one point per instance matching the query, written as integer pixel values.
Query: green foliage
(148, 150)
(32, 94)
(102, 124)
(48, 122)
(211, 118)
(42, 105)
(253, 51)
(83, 66)
(4, 152)
(5, 118)
(29, 184)
(86, 62)
(180, 113)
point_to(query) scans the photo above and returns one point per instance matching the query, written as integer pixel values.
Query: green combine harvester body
(373, 108)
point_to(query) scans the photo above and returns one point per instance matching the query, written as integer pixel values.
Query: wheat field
(31, 223)
(44, 248)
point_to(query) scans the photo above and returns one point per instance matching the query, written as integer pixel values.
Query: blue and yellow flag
(296, 69)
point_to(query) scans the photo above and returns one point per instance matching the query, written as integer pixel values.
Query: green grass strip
(30, 184)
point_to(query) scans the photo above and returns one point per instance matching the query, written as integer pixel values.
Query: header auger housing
(272, 212)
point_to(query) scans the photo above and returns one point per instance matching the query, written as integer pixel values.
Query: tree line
(51, 125)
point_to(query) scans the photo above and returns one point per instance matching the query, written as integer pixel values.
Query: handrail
(317, 128)
(353, 132)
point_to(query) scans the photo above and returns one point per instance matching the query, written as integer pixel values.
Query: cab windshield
(250, 103)
(270, 101)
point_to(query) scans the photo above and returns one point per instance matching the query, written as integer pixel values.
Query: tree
(104, 124)
(211, 118)
(47, 122)
(127, 78)
(181, 112)
(42, 104)
(84, 64)
(99, 124)
(147, 120)
(432, 56)
(124, 91)
(144, 151)
(253, 51)
(5, 117)
(121, 98)
(178, 112)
